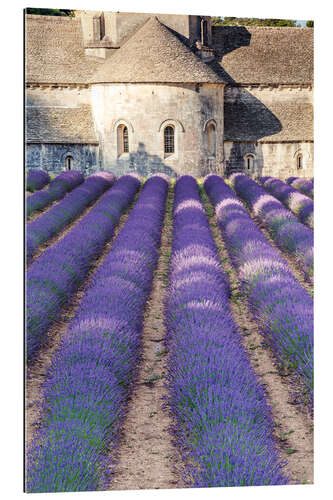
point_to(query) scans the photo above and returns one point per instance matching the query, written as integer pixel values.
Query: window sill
(172, 156)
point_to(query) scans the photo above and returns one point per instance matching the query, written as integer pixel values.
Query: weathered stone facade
(52, 157)
(92, 74)
(265, 122)
(188, 108)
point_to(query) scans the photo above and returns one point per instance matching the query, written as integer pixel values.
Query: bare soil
(36, 373)
(146, 457)
(293, 426)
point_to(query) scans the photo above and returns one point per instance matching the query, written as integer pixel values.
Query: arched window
(249, 163)
(69, 162)
(211, 139)
(169, 141)
(299, 161)
(122, 139)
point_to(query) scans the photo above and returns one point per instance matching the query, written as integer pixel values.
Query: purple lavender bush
(305, 186)
(62, 214)
(223, 422)
(36, 180)
(288, 233)
(57, 189)
(282, 307)
(298, 203)
(58, 273)
(92, 372)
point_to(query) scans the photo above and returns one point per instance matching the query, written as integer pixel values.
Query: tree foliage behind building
(51, 12)
(252, 21)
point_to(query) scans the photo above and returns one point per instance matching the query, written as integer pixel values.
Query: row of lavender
(224, 426)
(58, 273)
(57, 189)
(287, 232)
(37, 179)
(305, 186)
(282, 307)
(63, 213)
(91, 374)
(298, 203)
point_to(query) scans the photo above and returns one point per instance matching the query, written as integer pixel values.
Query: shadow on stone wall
(246, 118)
(236, 159)
(141, 162)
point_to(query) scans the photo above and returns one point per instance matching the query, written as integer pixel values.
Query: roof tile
(153, 54)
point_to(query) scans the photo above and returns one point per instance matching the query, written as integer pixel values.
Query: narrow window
(211, 140)
(299, 161)
(122, 139)
(169, 140)
(125, 140)
(69, 162)
(249, 162)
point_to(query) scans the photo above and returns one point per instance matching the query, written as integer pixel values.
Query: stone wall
(146, 109)
(274, 123)
(52, 157)
(48, 96)
(271, 158)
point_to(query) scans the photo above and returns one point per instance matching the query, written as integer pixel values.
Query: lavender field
(169, 332)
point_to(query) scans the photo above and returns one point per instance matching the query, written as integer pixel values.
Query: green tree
(51, 12)
(309, 24)
(251, 21)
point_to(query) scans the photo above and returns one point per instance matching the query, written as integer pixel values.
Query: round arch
(65, 160)
(249, 162)
(175, 123)
(121, 121)
(211, 121)
(305, 158)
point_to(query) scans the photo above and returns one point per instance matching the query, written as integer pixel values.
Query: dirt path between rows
(36, 373)
(293, 428)
(41, 249)
(146, 457)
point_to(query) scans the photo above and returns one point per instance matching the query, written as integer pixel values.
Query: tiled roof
(60, 125)
(55, 52)
(154, 54)
(253, 54)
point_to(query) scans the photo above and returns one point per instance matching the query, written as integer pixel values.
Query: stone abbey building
(167, 93)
